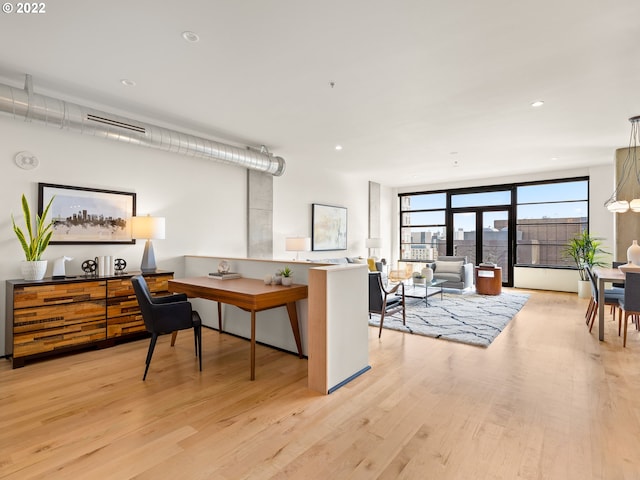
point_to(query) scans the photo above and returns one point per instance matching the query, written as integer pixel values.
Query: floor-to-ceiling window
(525, 224)
(423, 230)
(549, 214)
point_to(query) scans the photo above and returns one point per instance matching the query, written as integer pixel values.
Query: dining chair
(385, 302)
(166, 314)
(617, 285)
(404, 272)
(610, 298)
(630, 303)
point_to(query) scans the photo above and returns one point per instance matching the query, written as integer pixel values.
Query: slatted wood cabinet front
(51, 316)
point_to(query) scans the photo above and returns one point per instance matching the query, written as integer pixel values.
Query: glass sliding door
(482, 235)
(495, 240)
(465, 240)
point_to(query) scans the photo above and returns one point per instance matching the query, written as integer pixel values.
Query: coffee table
(435, 285)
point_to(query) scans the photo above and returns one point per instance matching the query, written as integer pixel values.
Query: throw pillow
(372, 264)
(448, 267)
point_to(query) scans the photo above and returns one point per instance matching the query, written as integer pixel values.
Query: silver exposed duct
(30, 107)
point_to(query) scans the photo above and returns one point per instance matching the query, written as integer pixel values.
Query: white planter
(287, 281)
(428, 274)
(584, 288)
(34, 270)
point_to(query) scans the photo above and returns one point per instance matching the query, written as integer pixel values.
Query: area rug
(466, 318)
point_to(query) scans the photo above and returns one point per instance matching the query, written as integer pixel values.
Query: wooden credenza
(47, 317)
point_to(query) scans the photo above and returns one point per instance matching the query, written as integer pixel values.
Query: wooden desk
(605, 275)
(248, 294)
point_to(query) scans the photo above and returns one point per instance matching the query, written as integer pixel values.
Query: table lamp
(147, 228)
(297, 244)
(372, 244)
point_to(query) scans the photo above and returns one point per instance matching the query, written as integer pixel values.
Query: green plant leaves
(38, 237)
(585, 251)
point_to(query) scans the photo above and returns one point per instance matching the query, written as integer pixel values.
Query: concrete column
(374, 210)
(627, 224)
(374, 215)
(259, 215)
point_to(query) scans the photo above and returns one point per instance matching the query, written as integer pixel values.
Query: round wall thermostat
(26, 160)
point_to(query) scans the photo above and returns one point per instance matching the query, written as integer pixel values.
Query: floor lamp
(148, 228)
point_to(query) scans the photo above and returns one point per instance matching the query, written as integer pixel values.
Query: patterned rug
(466, 318)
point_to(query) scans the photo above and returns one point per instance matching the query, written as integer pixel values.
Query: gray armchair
(455, 270)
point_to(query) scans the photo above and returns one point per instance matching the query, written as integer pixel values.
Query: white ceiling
(415, 80)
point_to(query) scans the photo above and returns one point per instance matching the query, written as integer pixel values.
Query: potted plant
(586, 252)
(35, 242)
(287, 274)
(418, 278)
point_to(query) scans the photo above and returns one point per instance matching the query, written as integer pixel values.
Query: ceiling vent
(115, 123)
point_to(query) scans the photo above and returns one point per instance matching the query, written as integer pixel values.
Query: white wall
(204, 202)
(302, 185)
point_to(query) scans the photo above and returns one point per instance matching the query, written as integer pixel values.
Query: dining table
(605, 275)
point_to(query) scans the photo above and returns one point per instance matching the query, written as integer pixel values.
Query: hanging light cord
(630, 164)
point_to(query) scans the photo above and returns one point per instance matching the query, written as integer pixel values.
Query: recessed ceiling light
(190, 36)
(537, 103)
(128, 83)
(338, 147)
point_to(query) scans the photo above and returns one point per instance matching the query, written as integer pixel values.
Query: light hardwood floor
(546, 400)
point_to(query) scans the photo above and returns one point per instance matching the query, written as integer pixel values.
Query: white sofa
(346, 260)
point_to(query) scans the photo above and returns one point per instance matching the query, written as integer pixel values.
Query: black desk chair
(385, 302)
(166, 314)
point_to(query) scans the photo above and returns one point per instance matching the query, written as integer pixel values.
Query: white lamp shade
(373, 242)
(619, 206)
(147, 227)
(634, 205)
(298, 244)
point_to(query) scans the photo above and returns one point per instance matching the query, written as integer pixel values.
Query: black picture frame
(329, 227)
(84, 215)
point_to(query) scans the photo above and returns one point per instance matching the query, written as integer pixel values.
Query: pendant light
(630, 172)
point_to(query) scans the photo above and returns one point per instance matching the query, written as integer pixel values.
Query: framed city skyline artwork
(329, 227)
(87, 215)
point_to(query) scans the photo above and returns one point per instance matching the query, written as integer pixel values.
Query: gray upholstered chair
(611, 298)
(630, 303)
(455, 270)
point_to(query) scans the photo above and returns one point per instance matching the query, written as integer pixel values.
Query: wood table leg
(293, 318)
(219, 317)
(253, 344)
